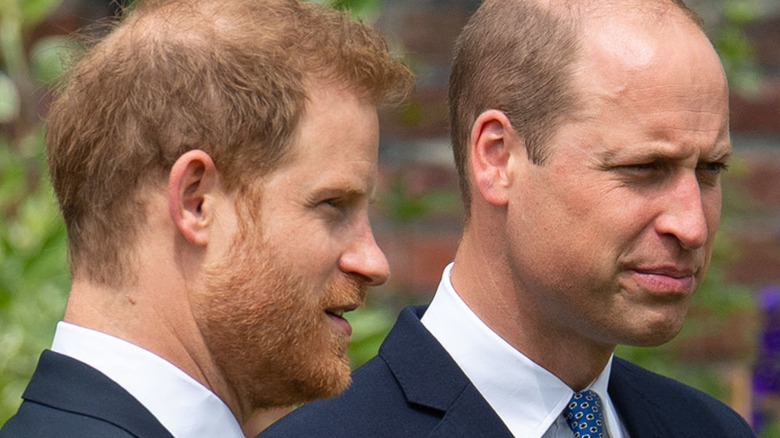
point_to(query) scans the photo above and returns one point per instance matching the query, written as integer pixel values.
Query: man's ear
(192, 180)
(493, 143)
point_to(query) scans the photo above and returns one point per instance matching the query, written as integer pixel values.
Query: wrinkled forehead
(626, 51)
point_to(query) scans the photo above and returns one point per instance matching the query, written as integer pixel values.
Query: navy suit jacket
(69, 399)
(413, 388)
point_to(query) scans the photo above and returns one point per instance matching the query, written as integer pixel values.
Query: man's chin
(304, 388)
(329, 379)
(337, 387)
(654, 338)
(339, 380)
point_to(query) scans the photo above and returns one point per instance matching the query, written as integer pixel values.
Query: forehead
(620, 44)
(336, 121)
(335, 144)
(656, 73)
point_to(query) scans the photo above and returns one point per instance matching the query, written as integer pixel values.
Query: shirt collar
(525, 396)
(184, 406)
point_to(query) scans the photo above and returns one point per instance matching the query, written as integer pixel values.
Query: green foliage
(48, 56)
(15, 16)
(31, 12)
(734, 47)
(363, 9)
(772, 431)
(370, 325)
(9, 104)
(33, 269)
(402, 206)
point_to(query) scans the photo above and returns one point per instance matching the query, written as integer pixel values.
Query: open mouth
(339, 313)
(336, 316)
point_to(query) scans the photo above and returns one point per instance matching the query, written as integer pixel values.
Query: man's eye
(715, 167)
(639, 168)
(709, 173)
(340, 205)
(332, 202)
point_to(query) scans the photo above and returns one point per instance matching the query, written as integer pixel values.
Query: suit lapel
(639, 414)
(470, 416)
(70, 385)
(429, 377)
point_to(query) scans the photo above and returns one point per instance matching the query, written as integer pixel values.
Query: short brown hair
(229, 77)
(514, 56)
(518, 57)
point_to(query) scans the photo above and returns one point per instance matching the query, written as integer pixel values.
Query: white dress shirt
(527, 398)
(184, 406)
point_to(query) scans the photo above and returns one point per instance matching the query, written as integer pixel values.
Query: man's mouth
(666, 279)
(336, 316)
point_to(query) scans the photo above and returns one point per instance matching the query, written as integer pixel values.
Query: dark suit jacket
(413, 388)
(69, 399)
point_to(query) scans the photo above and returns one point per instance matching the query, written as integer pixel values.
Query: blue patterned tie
(583, 415)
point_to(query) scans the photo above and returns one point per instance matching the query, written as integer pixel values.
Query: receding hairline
(588, 9)
(568, 18)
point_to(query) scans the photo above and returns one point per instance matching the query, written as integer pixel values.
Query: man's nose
(684, 215)
(364, 259)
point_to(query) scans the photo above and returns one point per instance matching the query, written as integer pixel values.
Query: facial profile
(271, 308)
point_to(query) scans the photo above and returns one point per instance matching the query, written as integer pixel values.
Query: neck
(156, 318)
(483, 278)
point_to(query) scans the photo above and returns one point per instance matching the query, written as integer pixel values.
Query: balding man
(589, 137)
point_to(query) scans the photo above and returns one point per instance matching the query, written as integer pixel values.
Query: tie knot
(583, 415)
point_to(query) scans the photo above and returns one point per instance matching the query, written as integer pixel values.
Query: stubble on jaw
(267, 330)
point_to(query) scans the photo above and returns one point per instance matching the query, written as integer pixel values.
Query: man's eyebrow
(647, 155)
(651, 154)
(721, 156)
(345, 190)
(722, 151)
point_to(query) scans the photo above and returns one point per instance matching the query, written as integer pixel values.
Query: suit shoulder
(374, 405)
(660, 386)
(674, 400)
(68, 398)
(41, 421)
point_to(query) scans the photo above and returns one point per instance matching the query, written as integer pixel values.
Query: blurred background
(729, 348)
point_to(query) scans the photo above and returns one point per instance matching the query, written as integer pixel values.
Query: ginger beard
(267, 329)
